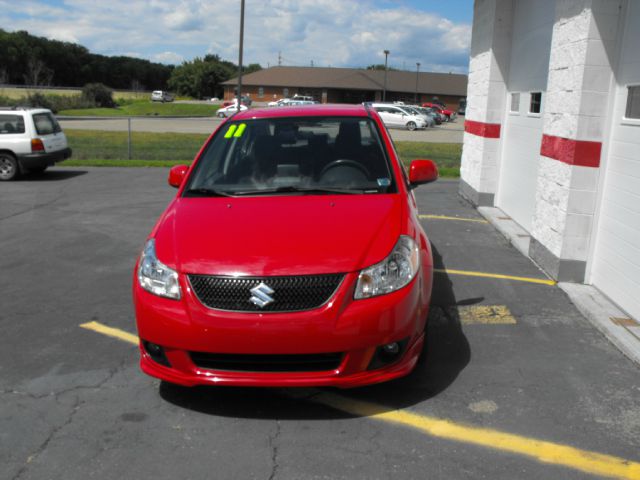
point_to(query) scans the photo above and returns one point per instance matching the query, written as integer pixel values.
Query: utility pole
(312, 63)
(279, 59)
(384, 92)
(415, 100)
(240, 54)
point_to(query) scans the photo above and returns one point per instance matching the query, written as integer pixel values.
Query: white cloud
(329, 32)
(172, 58)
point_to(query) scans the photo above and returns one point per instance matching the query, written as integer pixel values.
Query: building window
(633, 102)
(285, 92)
(261, 92)
(536, 102)
(515, 102)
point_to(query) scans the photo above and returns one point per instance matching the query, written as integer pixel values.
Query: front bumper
(354, 328)
(43, 159)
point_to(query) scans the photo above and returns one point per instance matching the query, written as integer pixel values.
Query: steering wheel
(346, 163)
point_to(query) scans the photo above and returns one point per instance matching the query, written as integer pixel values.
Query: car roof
(328, 110)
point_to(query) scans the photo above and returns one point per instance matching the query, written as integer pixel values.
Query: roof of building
(356, 79)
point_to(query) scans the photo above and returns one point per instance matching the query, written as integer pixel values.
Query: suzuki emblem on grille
(261, 295)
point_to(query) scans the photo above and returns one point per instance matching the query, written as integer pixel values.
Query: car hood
(278, 235)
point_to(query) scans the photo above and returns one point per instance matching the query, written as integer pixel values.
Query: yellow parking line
(486, 315)
(543, 281)
(111, 332)
(444, 217)
(540, 450)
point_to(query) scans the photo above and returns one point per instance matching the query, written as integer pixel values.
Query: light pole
(415, 100)
(240, 54)
(384, 91)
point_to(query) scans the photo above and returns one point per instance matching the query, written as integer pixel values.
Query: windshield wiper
(307, 190)
(207, 192)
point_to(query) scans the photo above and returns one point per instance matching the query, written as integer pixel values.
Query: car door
(397, 117)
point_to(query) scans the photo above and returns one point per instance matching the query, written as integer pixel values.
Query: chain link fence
(136, 138)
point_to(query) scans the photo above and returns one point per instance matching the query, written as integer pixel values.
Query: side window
(10, 124)
(536, 102)
(633, 102)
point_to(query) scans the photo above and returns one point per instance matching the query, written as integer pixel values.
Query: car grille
(290, 294)
(317, 362)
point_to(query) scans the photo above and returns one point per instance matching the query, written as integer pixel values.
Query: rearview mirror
(421, 172)
(177, 175)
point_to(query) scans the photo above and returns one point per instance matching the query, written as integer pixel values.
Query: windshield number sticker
(240, 130)
(229, 134)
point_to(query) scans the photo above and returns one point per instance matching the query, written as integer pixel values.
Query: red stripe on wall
(572, 152)
(481, 129)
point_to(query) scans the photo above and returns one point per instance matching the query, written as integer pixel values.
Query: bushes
(93, 95)
(98, 94)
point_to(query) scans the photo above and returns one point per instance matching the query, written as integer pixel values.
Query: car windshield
(294, 156)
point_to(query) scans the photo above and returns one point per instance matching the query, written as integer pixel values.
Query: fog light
(391, 348)
(388, 354)
(156, 352)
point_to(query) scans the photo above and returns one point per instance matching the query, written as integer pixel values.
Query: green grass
(146, 107)
(446, 155)
(102, 149)
(107, 146)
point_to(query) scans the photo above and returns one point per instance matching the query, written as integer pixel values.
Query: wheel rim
(7, 168)
(411, 126)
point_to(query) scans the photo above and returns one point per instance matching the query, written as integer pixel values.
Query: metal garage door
(528, 71)
(616, 260)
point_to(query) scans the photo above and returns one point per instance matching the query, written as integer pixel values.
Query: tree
(201, 77)
(380, 66)
(98, 94)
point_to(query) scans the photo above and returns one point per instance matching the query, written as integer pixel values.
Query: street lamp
(384, 92)
(415, 100)
(240, 54)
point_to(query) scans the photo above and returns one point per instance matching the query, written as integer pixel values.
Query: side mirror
(177, 174)
(421, 172)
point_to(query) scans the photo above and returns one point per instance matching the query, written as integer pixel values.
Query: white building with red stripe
(552, 134)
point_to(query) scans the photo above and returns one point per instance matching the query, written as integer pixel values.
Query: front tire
(9, 169)
(411, 126)
(221, 115)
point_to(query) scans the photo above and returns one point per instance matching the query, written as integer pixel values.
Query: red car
(450, 114)
(292, 255)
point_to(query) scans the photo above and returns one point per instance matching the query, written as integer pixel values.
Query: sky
(337, 33)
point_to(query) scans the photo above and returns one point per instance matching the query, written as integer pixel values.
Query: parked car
(292, 255)
(229, 110)
(303, 98)
(437, 116)
(31, 140)
(449, 114)
(161, 96)
(280, 103)
(394, 116)
(416, 111)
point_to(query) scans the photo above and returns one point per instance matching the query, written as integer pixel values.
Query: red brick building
(349, 85)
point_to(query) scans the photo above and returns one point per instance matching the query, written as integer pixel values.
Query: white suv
(30, 141)
(395, 116)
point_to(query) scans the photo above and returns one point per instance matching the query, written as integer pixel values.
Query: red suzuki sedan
(292, 255)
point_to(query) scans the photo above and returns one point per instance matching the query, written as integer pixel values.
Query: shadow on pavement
(445, 355)
(50, 176)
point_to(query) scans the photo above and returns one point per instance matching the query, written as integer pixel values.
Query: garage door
(522, 135)
(616, 260)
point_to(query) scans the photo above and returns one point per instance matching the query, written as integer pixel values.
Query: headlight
(391, 274)
(154, 276)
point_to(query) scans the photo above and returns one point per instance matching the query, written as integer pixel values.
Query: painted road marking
(543, 281)
(111, 332)
(444, 217)
(486, 315)
(540, 450)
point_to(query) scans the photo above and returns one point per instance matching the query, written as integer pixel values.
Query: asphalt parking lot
(514, 382)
